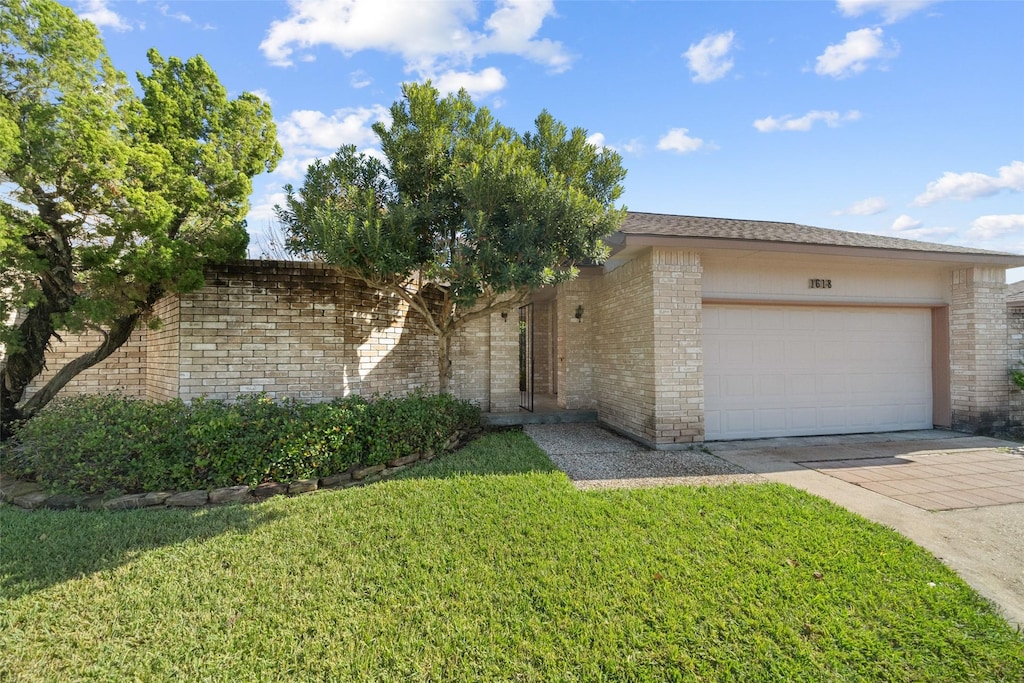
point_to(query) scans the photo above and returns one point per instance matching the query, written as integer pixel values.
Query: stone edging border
(32, 495)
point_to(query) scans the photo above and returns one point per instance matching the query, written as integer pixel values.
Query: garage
(772, 370)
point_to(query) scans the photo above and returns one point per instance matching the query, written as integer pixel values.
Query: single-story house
(695, 329)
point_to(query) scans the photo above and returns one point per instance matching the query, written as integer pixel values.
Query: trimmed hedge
(90, 444)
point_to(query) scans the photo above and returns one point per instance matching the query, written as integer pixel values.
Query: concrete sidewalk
(950, 493)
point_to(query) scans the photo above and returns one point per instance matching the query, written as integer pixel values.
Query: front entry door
(526, 357)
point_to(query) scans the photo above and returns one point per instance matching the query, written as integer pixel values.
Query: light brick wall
(161, 352)
(471, 363)
(300, 330)
(575, 344)
(625, 377)
(124, 370)
(1015, 327)
(290, 329)
(504, 362)
(542, 347)
(678, 347)
(979, 351)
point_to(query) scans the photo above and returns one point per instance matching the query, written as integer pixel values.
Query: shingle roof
(663, 225)
(1015, 293)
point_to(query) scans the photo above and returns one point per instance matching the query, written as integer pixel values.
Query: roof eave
(993, 259)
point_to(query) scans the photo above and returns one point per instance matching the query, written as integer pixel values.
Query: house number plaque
(819, 283)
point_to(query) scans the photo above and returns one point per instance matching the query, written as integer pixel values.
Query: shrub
(98, 443)
(112, 442)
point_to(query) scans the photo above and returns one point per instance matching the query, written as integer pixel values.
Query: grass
(488, 565)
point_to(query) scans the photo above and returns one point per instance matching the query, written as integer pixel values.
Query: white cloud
(598, 140)
(634, 146)
(479, 84)
(853, 54)
(995, 226)
(865, 207)
(677, 140)
(309, 134)
(905, 222)
(432, 37)
(972, 185)
(892, 10)
(360, 79)
(262, 94)
(928, 234)
(180, 16)
(100, 14)
(709, 59)
(832, 119)
(262, 210)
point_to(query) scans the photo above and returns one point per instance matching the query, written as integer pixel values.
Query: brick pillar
(574, 357)
(979, 350)
(678, 348)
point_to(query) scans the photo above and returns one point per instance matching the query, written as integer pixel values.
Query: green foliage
(1017, 376)
(111, 200)
(463, 203)
(112, 442)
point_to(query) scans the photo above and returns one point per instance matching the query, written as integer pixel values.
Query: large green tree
(109, 198)
(466, 216)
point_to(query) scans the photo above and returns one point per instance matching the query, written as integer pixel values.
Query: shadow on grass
(496, 453)
(47, 547)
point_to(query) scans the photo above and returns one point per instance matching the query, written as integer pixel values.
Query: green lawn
(488, 565)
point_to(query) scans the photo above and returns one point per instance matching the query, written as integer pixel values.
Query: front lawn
(488, 565)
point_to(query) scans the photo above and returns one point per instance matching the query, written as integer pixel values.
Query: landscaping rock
(188, 499)
(335, 480)
(92, 502)
(155, 498)
(394, 470)
(429, 454)
(231, 494)
(62, 501)
(32, 500)
(9, 490)
(404, 460)
(269, 489)
(131, 501)
(367, 471)
(303, 486)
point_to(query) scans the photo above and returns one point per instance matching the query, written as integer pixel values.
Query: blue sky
(900, 118)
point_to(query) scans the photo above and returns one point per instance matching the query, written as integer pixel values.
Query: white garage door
(795, 370)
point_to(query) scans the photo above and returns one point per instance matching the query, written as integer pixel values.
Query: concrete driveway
(961, 497)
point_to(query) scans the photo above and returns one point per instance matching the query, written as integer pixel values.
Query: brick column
(678, 348)
(979, 353)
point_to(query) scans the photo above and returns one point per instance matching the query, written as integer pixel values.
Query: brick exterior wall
(678, 347)
(574, 347)
(504, 362)
(980, 389)
(1015, 328)
(650, 381)
(300, 330)
(162, 348)
(124, 370)
(542, 312)
(625, 356)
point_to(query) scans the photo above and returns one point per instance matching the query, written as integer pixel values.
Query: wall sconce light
(504, 315)
(579, 312)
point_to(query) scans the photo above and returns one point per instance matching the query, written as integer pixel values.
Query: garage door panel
(778, 370)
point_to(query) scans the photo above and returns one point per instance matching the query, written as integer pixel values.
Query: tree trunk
(444, 361)
(24, 364)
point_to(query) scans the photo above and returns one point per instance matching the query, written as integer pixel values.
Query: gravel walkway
(595, 458)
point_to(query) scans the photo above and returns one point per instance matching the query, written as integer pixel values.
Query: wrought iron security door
(526, 357)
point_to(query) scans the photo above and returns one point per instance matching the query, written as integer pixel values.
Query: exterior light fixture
(504, 315)
(579, 312)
